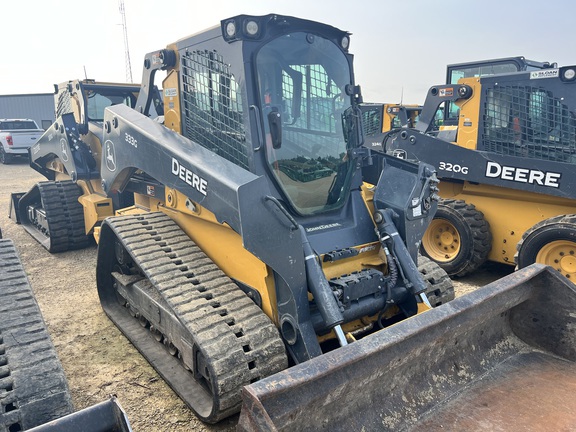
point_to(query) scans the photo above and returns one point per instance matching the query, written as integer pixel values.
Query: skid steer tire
(551, 242)
(440, 288)
(458, 238)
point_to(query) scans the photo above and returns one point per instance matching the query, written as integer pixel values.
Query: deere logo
(64, 149)
(110, 155)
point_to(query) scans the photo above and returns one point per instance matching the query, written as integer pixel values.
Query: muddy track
(97, 359)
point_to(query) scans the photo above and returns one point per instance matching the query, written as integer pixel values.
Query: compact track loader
(262, 233)
(34, 393)
(61, 213)
(505, 157)
(268, 248)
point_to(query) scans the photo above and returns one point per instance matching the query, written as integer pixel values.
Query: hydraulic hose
(386, 227)
(319, 286)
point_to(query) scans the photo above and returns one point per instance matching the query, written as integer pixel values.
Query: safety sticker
(548, 73)
(170, 92)
(446, 92)
(416, 208)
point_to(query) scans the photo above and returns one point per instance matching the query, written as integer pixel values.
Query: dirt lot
(97, 359)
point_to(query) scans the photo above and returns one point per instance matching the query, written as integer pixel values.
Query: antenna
(126, 48)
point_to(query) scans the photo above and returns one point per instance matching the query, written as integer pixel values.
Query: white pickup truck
(16, 137)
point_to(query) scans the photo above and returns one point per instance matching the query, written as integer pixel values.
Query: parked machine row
(263, 259)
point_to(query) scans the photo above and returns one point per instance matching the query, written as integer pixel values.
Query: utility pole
(126, 48)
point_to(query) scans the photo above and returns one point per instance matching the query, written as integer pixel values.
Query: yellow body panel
(224, 246)
(390, 112)
(172, 102)
(96, 209)
(509, 212)
(468, 118)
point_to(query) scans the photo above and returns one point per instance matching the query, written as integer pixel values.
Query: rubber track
(77, 238)
(33, 388)
(440, 288)
(235, 336)
(65, 215)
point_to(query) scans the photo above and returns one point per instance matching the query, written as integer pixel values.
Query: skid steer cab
(263, 234)
(505, 157)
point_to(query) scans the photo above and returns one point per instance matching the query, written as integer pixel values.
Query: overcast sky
(401, 48)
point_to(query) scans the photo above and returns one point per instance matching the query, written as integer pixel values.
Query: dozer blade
(500, 358)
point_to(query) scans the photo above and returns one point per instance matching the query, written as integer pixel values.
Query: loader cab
(88, 99)
(307, 114)
(457, 71)
(275, 95)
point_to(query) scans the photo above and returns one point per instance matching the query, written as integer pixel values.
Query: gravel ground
(97, 359)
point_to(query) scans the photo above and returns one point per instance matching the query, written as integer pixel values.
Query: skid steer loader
(262, 233)
(506, 167)
(34, 393)
(267, 248)
(378, 119)
(61, 213)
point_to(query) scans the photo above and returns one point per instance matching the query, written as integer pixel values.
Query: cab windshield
(302, 78)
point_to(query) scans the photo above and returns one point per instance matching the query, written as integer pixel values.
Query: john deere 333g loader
(268, 261)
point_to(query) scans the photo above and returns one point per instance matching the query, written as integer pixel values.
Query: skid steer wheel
(439, 286)
(5, 158)
(551, 242)
(458, 238)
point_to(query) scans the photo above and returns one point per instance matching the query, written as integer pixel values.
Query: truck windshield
(17, 124)
(302, 79)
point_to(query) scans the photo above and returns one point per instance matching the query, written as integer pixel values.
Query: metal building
(39, 107)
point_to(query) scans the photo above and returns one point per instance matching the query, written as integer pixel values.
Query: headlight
(569, 74)
(252, 28)
(231, 29)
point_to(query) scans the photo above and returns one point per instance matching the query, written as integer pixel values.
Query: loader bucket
(500, 358)
(107, 416)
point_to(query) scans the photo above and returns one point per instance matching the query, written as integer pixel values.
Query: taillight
(9, 140)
